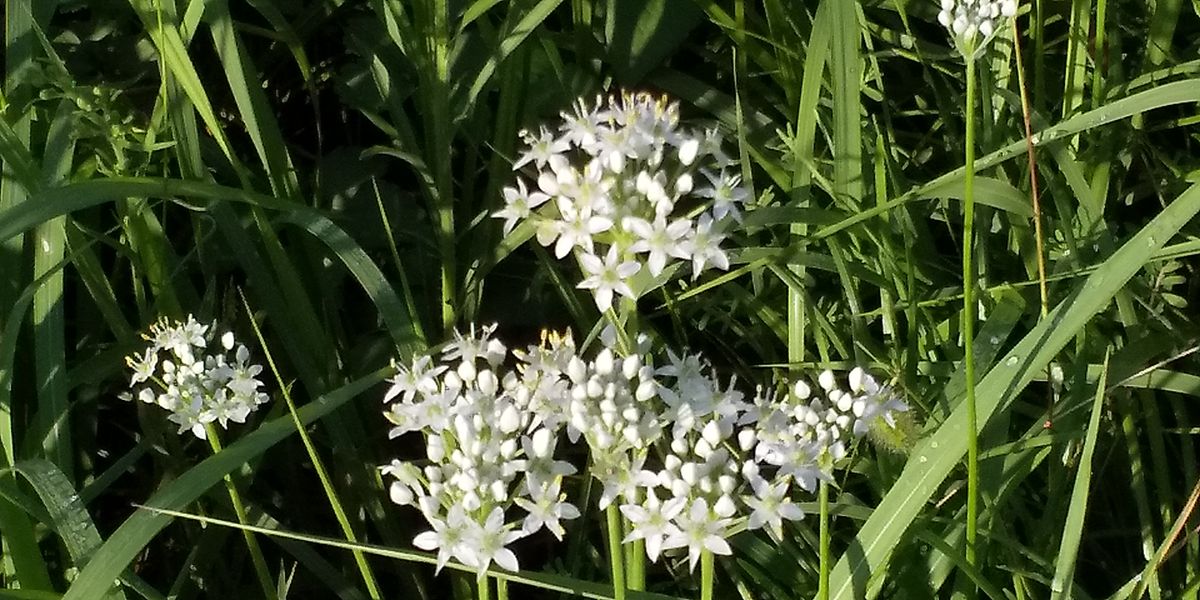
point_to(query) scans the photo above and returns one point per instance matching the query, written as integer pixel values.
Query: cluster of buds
(973, 23)
(683, 457)
(729, 460)
(182, 372)
(628, 192)
(484, 453)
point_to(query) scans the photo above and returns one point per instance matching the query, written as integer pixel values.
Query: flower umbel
(973, 23)
(197, 380)
(626, 182)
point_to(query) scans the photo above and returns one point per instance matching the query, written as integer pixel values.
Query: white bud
(435, 448)
(712, 433)
(487, 382)
(604, 362)
(725, 507)
(684, 184)
(466, 370)
(746, 439)
(826, 380)
(400, 494)
(801, 390)
(510, 419)
(541, 442)
(726, 483)
(688, 473)
(688, 150)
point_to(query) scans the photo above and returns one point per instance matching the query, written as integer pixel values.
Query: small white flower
(607, 276)
(652, 521)
(448, 537)
(541, 148)
(659, 239)
(700, 529)
(546, 508)
(488, 542)
(770, 505)
(518, 204)
(704, 246)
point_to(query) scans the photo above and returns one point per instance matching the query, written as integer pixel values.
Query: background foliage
(334, 160)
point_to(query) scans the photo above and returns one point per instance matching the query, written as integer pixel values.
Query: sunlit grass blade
(546, 581)
(1068, 551)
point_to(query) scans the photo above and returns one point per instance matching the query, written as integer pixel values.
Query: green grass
(335, 162)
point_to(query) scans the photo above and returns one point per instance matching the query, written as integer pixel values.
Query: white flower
(487, 542)
(700, 529)
(770, 506)
(659, 240)
(577, 227)
(973, 23)
(448, 537)
(704, 246)
(199, 382)
(546, 508)
(652, 521)
(518, 205)
(727, 193)
(607, 276)
(541, 148)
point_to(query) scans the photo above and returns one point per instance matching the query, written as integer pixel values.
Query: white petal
(426, 541)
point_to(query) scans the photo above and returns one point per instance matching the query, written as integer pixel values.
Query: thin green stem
(707, 574)
(239, 509)
(637, 565)
(615, 555)
(968, 324)
(823, 580)
(483, 588)
(501, 589)
(364, 568)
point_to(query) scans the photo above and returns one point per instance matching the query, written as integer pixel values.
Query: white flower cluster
(183, 373)
(729, 459)
(626, 183)
(972, 23)
(484, 452)
(685, 459)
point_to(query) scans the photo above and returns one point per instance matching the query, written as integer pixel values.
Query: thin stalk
(969, 322)
(707, 574)
(637, 565)
(615, 556)
(501, 589)
(823, 580)
(484, 588)
(1033, 176)
(364, 568)
(239, 509)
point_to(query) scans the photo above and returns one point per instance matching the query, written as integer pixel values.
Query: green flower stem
(615, 555)
(501, 589)
(635, 554)
(484, 588)
(256, 555)
(707, 574)
(969, 323)
(825, 560)
(637, 565)
(364, 568)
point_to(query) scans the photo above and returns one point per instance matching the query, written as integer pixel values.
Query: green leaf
(640, 33)
(935, 457)
(138, 530)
